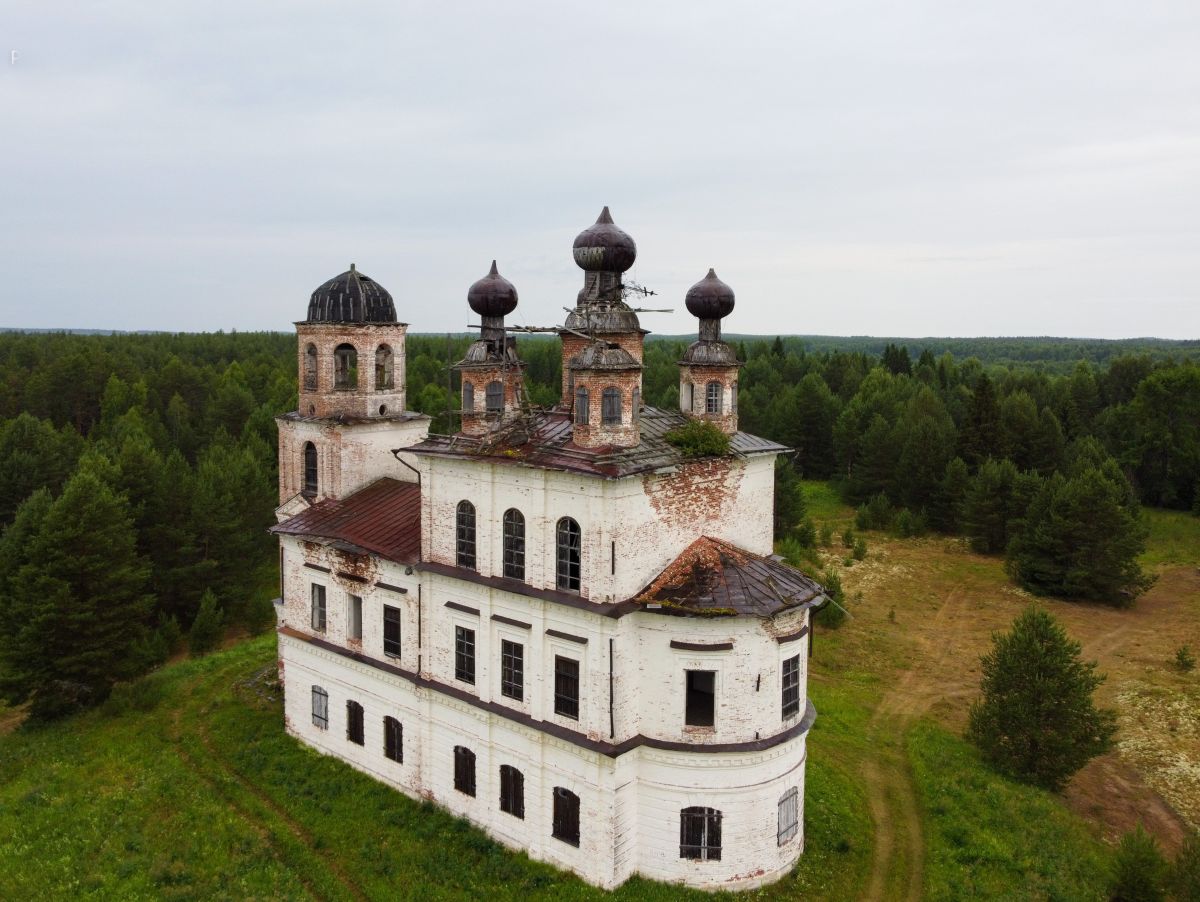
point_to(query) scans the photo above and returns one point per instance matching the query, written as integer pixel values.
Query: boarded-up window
(512, 791)
(514, 544)
(465, 534)
(582, 400)
(354, 722)
(566, 816)
(464, 770)
(393, 739)
(700, 834)
(391, 631)
(610, 406)
(789, 815)
(320, 708)
(468, 397)
(495, 397)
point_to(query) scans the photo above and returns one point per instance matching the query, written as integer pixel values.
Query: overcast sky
(881, 168)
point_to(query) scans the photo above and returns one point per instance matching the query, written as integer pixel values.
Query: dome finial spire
(605, 216)
(494, 271)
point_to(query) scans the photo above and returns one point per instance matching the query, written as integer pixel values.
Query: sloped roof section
(545, 441)
(384, 518)
(715, 578)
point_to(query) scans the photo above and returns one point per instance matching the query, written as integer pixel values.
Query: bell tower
(351, 393)
(708, 372)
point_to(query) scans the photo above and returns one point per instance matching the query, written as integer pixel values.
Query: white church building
(554, 623)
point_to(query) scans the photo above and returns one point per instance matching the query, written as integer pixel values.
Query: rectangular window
(700, 834)
(512, 791)
(354, 722)
(610, 407)
(464, 770)
(789, 815)
(566, 687)
(391, 631)
(791, 687)
(354, 618)
(701, 698)
(320, 708)
(566, 816)
(393, 740)
(464, 654)
(512, 670)
(318, 608)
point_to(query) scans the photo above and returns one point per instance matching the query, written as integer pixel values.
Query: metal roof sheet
(384, 518)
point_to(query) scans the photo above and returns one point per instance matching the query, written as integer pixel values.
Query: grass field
(184, 786)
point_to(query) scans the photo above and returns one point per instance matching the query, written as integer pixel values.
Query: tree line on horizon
(138, 472)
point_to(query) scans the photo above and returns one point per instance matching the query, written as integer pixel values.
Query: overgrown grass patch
(824, 503)
(990, 838)
(1174, 538)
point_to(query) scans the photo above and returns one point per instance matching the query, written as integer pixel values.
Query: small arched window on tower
(345, 367)
(384, 378)
(468, 397)
(610, 406)
(495, 397)
(712, 398)
(464, 545)
(310, 368)
(570, 542)
(582, 401)
(310, 469)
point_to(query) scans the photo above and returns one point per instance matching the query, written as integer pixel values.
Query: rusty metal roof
(547, 444)
(716, 578)
(383, 518)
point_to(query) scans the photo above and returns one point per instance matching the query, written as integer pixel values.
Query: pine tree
(1036, 720)
(995, 504)
(816, 410)
(789, 498)
(946, 510)
(1185, 874)
(76, 606)
(205, 633)
(1139, 869)
(33, 455)
(980, 435)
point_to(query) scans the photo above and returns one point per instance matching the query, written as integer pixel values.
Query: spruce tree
(1185, 873)
(205, 633)
(1036, 720)
(1139, 869)
(76, 606)
(980, 435)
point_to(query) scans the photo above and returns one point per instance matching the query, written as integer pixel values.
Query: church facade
(554, 622)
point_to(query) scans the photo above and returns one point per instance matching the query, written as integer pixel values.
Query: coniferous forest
(138, 471)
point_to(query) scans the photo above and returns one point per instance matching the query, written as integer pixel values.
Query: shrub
(1184, 659)
(860, 548)
(1185, 875)
(879, 512)
(1040, 731)
(206, 628)
(833, 614)
(862, 518)
(806, 533)
(699, 438)
(848, 537)
(907, 524)
(1139, 869)
(826, 534)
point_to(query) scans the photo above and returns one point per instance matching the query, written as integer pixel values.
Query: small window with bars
(512, 791)
(512, 670)
(391, 631)
(318, 607)
(464, 521)
(566, 816)
(791, 687)
(789, 815)
(464, 654)
(393, 740)
(569, 541)
(712, 398)
(566, 687)
(354, 722)
(610, 406)
(514, 544)
(464, 770)
(700, 834)
(320, 708)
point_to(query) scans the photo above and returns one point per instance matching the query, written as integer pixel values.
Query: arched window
(465, 534)
(354, 722)
(569, 542)
(345, 367)
(789, 816)
(512, 791)
(582, 400)
(565, 825)
(310, 368)
(514, 544)
(468, 397)
(700, 834)
(610, 406)
(712, 398)
(393, 740)
(464, 770)
(495, 397)
(384, 371)
(310, 469)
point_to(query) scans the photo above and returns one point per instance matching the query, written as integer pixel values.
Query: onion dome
(603, 356)
(351, 298)
(493, 295)
(710, 298)
(603, 247)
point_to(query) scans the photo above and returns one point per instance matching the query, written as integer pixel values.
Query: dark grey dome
(493, 295)
(603, 247)
(710, 298)
(351, 298)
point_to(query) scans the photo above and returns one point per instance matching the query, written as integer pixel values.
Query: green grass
(990, 838)
(1174, 538)
(824, 503)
